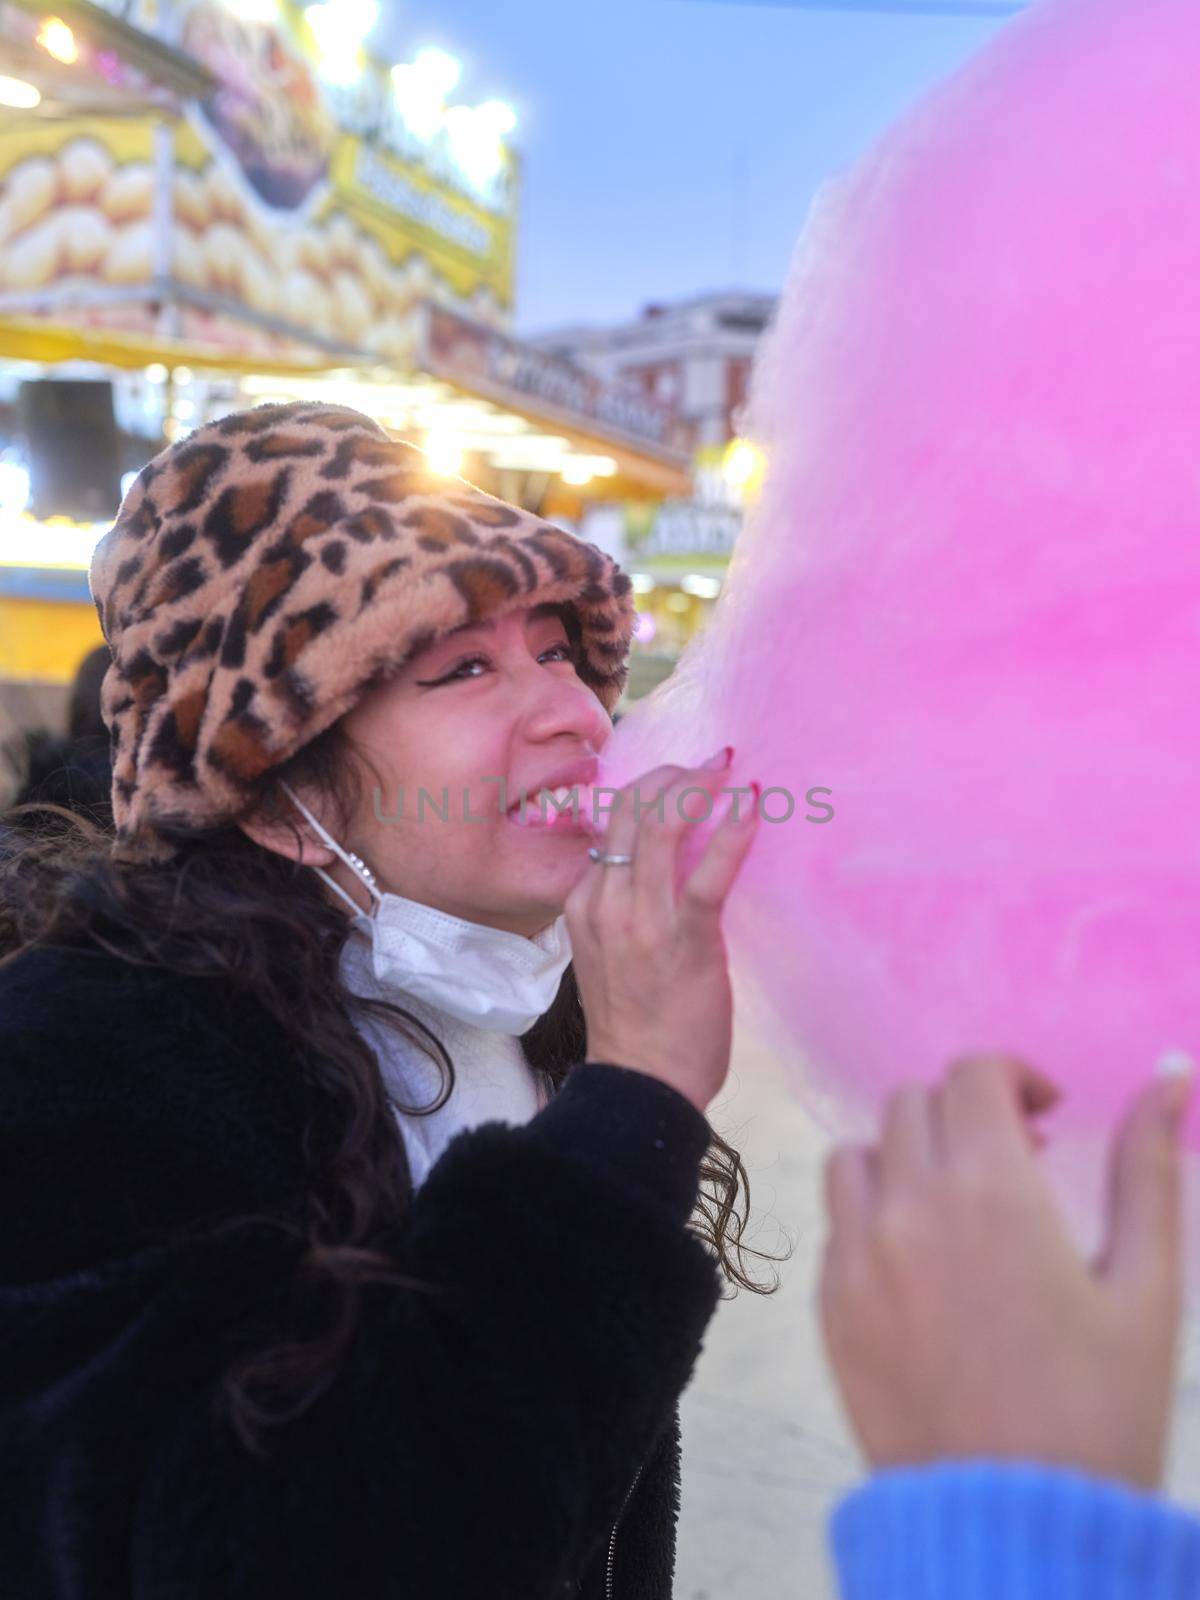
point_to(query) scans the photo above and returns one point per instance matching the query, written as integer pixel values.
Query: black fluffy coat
(480, 1438)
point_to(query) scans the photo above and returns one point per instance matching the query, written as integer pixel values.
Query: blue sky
(672, 146)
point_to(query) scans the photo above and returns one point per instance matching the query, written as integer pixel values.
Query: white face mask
(486, 976)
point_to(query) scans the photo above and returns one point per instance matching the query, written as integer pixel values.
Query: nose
(558, 706)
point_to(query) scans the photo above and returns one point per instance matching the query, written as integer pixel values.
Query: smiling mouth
(565, 810)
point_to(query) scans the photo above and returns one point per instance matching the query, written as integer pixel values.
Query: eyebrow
(548, 608)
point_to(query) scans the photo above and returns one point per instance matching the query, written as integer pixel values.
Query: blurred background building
(694, 357)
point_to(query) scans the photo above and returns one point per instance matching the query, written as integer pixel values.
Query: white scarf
(493, 1082)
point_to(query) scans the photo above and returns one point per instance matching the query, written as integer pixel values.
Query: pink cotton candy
(969, 600)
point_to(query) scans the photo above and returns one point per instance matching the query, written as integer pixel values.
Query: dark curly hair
(227, 907)
(69, 769)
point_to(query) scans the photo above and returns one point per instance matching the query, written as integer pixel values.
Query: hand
(649, 954)
(960, 1318)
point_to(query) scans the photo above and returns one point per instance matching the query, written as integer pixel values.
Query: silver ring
(595, 854)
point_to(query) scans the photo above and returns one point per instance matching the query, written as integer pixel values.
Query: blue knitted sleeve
(979, 1530)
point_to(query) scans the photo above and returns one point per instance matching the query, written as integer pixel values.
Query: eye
(459, 674)
(565, 650)
(454, 675)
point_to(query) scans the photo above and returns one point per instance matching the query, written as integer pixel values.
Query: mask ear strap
(338, 890)
(357, 866)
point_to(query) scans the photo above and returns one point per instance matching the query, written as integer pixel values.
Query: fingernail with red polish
(722, 758)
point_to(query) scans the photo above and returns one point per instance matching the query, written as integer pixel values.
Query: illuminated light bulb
(444, 452)
(497, 116)
(184, 375)
(19, 95)
(156, 373)
(57, 40)
(582, 469)
(253, 10)
(356, 17)
(421, 108)
(14, 486)
(476, 143)
(642, 583)
(439, 68)
(26, 543)
(742, 466)
(339, 30)
(704, 588)
(421, 87)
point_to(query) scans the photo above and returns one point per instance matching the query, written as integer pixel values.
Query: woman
(287, 1309)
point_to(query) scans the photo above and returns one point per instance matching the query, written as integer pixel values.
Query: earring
(361, 867)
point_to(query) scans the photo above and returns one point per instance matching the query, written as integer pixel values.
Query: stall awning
(487, 391)
(51, 343)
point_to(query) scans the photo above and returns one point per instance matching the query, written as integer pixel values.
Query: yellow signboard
(302, 203)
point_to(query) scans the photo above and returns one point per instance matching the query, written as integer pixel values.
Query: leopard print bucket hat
(266, 571)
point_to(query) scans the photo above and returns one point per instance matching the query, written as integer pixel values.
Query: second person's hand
(960, 1318)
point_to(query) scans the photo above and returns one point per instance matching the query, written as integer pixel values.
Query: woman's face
(487, 712)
